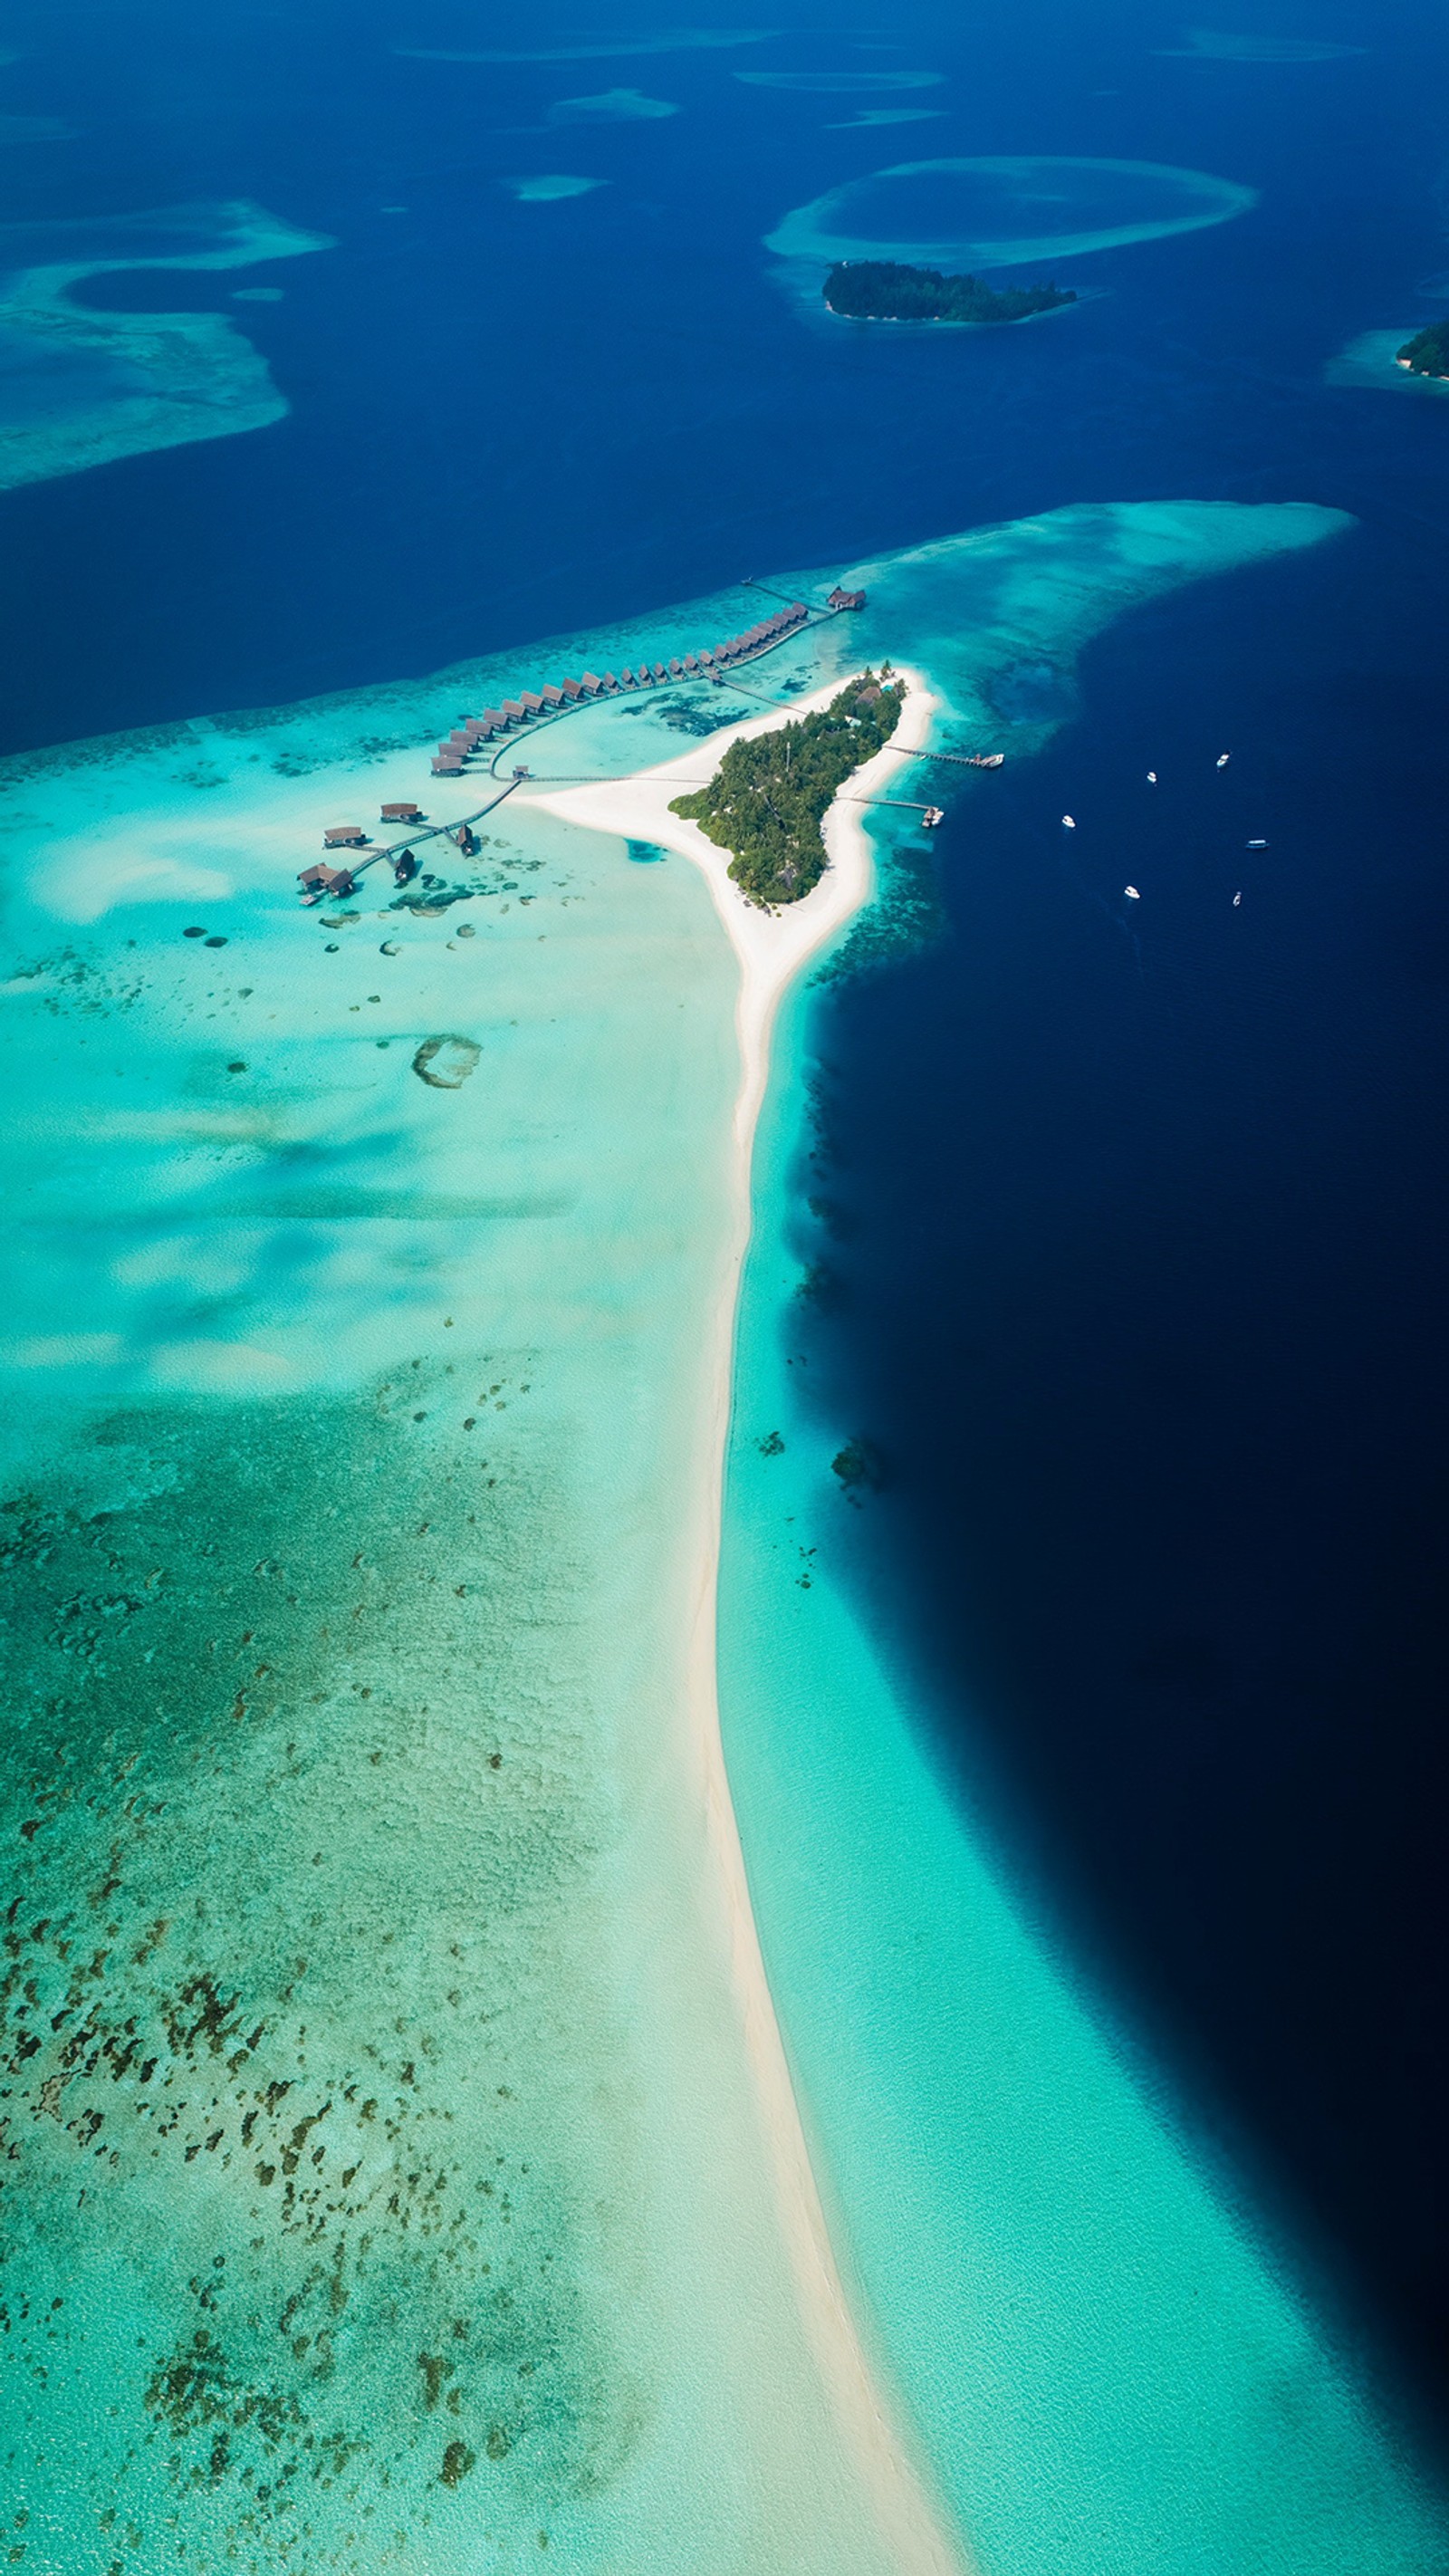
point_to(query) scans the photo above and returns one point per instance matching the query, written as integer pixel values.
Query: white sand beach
(772, 948)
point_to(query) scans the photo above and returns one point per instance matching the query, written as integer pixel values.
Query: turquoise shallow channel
(386, 2182)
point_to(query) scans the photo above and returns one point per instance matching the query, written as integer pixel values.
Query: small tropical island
(1427, 354)
(881, 290)
(768, 799)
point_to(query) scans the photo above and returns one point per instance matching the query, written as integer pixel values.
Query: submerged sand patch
(998, 211)
(446, 1062)
(611, 107)
(80, 387)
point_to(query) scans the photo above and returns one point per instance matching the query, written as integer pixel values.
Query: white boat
(1257, 845)
(1070, 822)
(1152, 778)
(1223, 758)
(1132, 894)
(1237, 898)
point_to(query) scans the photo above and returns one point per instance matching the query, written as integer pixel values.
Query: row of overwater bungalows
(330, 883)
(534, 705)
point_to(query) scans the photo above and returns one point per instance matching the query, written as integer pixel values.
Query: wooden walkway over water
(429, 832)
(717, 677)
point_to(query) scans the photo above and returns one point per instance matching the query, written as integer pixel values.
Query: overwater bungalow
(344, 836)
(321, 884)
(403, 812)
(845, 598)
(557, 696)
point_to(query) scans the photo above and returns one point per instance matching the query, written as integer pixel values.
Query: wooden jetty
(333, 885)
(536, 707)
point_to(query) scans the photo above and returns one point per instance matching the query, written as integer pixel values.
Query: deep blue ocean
(1133, 1213)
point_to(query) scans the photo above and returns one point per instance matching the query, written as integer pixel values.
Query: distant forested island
(1428, 351)
(768, 798)
(880, 290)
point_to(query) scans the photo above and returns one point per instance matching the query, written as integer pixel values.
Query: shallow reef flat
(386, 2177)
(1371, 362)
(387, 2180)
(1000, 212)
(80, 387)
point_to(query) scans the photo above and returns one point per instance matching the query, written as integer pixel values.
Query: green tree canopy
(767, 801)
(882, 290)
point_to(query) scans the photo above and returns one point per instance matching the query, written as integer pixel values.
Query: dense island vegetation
(767, 800)
(1428, 351)
(878, 290)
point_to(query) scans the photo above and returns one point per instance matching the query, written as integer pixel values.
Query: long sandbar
(772, 948)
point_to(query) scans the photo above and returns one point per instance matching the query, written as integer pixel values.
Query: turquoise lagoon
(385, 2181)
(386, 2187)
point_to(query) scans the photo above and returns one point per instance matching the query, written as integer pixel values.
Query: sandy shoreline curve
(772, 948)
